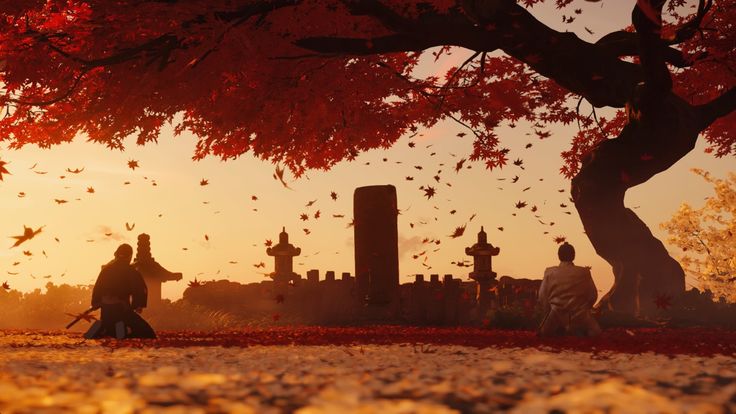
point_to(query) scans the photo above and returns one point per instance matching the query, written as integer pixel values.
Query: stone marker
(376, 243)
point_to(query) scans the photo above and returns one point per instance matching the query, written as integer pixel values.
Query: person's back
(116, 285)
(567, 294)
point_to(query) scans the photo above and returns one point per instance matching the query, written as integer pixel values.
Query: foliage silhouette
(335, 78)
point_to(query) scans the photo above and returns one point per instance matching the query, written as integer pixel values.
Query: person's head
(566, 252)
(124, 253)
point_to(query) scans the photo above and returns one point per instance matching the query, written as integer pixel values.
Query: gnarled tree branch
(718, 107)
(579, 66)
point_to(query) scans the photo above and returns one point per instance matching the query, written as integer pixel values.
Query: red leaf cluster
(232, 74)
(693, 341)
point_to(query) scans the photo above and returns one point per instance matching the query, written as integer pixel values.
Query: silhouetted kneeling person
(117, 283)
(567, 295)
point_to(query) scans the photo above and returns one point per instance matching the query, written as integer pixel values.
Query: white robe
(567, 294)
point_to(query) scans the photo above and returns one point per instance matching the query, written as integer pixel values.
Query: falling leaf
(59, 201)
(333, 195)
(129, 227)
(133, 164)
(304, 217)
(90, 190)
(28, 234)
(560, 239)
(3, 170)
(459, 165)
(459, 231)
(268, 243)
(520, 204)
(75, 171)
(203, 182)
(260, 264)
(625, 178)
(429, 192)
(6, 286)
(279, 175)
(311, 203)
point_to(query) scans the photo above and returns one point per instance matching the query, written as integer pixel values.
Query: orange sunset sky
(164, 198)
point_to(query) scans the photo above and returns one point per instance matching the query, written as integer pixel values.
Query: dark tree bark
(662, 129)
(642, 267)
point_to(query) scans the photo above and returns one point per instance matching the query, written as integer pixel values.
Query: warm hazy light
(165, 199)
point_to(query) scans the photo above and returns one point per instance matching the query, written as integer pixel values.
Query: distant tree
(309, 83)
(707, 237)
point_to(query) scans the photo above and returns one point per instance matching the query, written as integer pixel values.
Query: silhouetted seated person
(567, 295)
(117, 283)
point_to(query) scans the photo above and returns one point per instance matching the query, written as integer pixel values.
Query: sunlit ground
(56, 372)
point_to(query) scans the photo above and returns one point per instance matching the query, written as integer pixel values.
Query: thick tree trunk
(643, 270)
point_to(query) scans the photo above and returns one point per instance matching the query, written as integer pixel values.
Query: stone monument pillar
(283, 254)
(153, 273)
(376, 244)
(482, 273)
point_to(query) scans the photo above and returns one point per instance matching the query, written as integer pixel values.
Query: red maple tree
(309, 83)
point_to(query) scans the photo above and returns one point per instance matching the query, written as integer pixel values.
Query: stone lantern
(283, 254)
(153, 273)
(482, 273)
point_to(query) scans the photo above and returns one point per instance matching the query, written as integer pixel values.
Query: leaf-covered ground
(373, 369)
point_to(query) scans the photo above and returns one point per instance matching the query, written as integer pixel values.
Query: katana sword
(82, 315)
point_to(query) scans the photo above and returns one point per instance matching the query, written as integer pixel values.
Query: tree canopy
(312, 82)
(706, 236)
